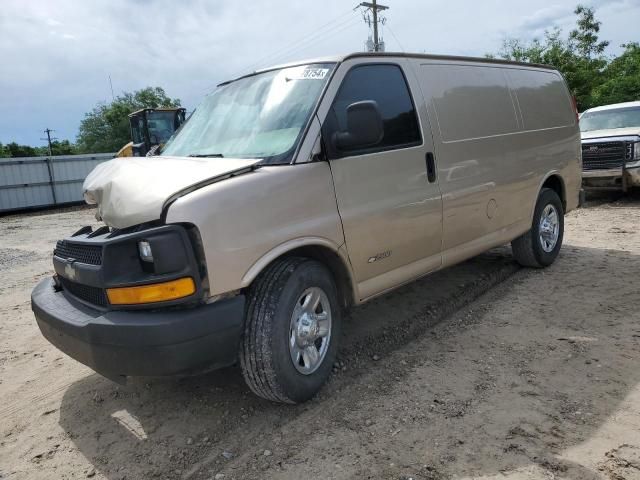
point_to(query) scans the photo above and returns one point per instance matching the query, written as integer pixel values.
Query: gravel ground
(484, 370)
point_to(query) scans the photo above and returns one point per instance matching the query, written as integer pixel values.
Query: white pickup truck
(611, 146)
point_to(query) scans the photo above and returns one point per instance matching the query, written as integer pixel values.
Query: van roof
(614, 106)
(341, 58)
(445, 57)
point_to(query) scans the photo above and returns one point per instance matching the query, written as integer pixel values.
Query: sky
(57, 55)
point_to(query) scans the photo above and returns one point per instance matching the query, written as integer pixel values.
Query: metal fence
(38, 182)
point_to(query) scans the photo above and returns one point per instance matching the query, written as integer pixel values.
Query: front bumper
(613, 179)
(120, 343)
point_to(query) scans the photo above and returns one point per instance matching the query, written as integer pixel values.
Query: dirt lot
(481, 371)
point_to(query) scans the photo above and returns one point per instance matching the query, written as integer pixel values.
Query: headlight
(636, 151)
(144, 249)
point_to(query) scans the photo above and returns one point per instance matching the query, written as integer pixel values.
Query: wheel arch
(319, 249)
(555, 182)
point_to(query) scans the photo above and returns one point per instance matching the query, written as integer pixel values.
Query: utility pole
(374, 7)
(113, 97)
(49, 139)
(48, 161)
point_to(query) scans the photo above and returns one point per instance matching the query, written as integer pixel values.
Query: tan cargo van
(299, 191)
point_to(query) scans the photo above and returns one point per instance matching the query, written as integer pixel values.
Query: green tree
(580, 57)
(106, 127)
(63, 147)
(621, 78)
(520, 51)
(585, 37)
(16, 150)
(590, 59)
(13, 149)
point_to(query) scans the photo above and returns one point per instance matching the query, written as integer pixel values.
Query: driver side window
(384, 84)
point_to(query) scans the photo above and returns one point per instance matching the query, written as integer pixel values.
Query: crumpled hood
(612, 132)
(130, 191)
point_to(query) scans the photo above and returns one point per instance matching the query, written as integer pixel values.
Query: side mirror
(364, 127)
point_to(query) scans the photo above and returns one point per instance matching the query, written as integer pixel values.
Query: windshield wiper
(207, 155)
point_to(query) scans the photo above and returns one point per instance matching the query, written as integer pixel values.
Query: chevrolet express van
(298, 191)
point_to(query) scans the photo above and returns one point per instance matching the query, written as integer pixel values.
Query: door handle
(431, 167)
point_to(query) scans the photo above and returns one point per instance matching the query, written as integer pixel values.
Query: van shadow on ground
(181, 428)
(612, 198)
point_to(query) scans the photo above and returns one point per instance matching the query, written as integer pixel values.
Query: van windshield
(606, 119)
(260, 116)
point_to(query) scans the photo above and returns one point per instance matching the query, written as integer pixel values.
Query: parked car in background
(611, 146)
(298, 191)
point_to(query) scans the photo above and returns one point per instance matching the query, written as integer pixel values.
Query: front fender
(247, 221)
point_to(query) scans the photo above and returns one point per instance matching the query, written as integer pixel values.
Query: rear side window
(543, 98)
(470, 101)
(386, 85)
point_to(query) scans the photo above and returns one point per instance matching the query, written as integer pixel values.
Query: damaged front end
(134, 191)
(131, 302)
(97, 267)
(131, 298)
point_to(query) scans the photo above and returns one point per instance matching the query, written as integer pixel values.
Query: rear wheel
(540, 246)
(291, 330)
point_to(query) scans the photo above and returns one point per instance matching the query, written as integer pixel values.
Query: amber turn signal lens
(156, 292)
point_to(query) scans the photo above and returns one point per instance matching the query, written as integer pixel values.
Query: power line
(293, 50)
(396, 39)
(305, 39)
(337, 28)
(296, 45)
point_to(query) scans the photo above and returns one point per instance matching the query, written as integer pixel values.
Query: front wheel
(291, 330)
(540, 246)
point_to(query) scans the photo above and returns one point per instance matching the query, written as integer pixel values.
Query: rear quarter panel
(500, 131)
(549, 141)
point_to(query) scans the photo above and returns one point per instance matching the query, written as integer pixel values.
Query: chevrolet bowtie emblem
(69, 271)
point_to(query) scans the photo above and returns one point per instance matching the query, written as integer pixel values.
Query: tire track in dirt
(357, 352)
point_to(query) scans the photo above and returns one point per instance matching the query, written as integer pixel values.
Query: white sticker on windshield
(309, 74)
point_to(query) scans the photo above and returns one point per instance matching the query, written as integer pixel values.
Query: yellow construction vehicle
(151, 127)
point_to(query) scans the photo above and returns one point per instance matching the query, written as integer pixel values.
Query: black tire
(527, 249)
(266, 362)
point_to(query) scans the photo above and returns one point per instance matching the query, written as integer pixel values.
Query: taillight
(575, 107)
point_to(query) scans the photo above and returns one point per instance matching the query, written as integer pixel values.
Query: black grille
(91, 254)
(603, 156)
(94, 295)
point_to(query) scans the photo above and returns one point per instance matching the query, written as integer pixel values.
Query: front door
(391, 209)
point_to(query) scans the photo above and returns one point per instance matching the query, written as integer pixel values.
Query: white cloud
(546, 18)
(51, 80)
